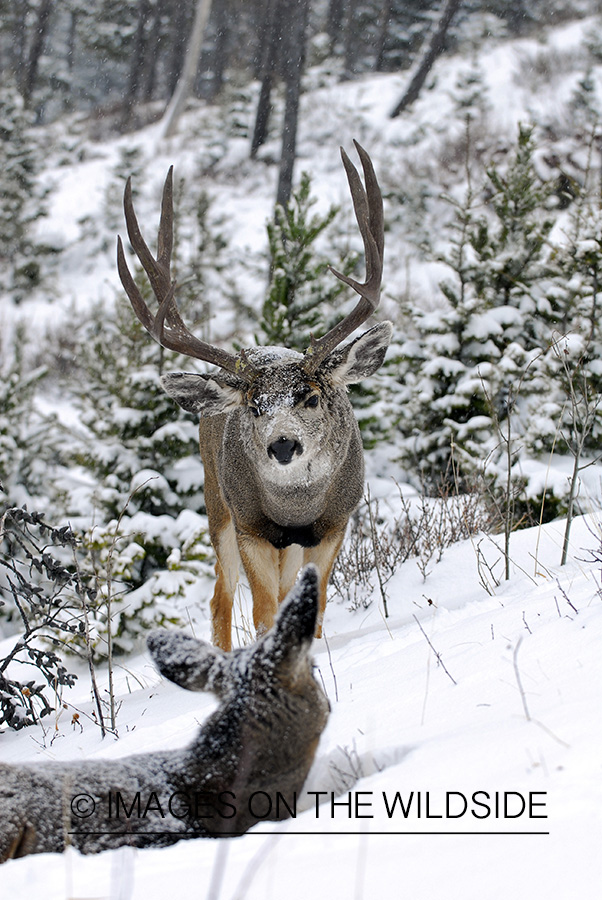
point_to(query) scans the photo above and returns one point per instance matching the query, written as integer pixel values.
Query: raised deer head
(280, 445)
(248, 762)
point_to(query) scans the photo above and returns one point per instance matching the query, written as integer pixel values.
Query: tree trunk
(151, 59)
(191, 62)
(138, 54)
(383, 32)
(334, 23)
(294, 63)
(262, 117)
(180, 18)
(351, 40)
(435, 47)
(272, 39)
(225, 25)
(35, 51)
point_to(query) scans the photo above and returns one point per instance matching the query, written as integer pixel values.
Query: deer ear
(202, 394)
(192, 664)
(295, 624)
(360, 358)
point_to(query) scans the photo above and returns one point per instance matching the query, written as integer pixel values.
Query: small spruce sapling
(464, 357)
(23, 200)
(302, 295)
(26, 442)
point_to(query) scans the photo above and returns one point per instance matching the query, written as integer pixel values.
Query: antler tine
(165, 235)
(167, 326)
(368, 207)
(158, 270)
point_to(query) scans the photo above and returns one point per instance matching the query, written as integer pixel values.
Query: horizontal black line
(189, 834)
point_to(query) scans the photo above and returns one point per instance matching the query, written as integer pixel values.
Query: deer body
(248, 761)
(280, 445)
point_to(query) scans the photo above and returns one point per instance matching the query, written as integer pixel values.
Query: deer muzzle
(284, 449)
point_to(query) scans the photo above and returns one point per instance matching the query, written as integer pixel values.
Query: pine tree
(462, 374)
(22, 198)
(511, 250)
(138, 500)
(132, 425)
(25, 444)
(302, 294)
(570, 370)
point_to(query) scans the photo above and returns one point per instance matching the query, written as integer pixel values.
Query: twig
(89, 649)
(334, 677)
(254, 865)
(219, 867)
(375, 548)
(518, 681)
(566, 597)
(437, 654)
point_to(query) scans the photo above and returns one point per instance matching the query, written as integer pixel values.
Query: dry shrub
(378, 541)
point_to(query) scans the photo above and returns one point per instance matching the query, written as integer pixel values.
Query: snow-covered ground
(419, 753)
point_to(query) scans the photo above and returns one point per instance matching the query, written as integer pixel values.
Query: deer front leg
(261, 563)
(226, 570)
(324, 556)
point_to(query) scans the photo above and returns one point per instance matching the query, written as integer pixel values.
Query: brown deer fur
(280, 445)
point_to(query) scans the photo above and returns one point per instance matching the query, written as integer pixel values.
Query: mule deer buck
(280, 445)
(248, 762)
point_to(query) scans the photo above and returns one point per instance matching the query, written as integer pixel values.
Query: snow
(404, 722)
(511, 704)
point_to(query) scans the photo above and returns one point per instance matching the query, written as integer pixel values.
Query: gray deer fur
(281, 448)
(248, 761)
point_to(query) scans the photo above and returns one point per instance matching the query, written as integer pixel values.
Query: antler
(167, 326)
(368, 206)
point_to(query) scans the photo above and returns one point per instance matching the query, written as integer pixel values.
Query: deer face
(293, 427)
(286, 414)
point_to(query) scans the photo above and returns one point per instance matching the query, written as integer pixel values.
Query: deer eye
(255, 411)
(312, 401)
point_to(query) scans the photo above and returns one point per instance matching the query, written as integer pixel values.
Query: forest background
(483, 120)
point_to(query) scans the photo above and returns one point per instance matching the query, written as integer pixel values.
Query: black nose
(283, 449)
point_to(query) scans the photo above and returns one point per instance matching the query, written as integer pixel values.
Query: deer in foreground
(248, 762)
(280, 444)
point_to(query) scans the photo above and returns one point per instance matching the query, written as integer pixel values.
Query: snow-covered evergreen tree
(302, 294)
(132, 426)
(570, 369)
(22, 198)
(474, 351)
(25, 444)
(137, 501)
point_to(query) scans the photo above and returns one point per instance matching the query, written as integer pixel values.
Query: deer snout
(284, 449)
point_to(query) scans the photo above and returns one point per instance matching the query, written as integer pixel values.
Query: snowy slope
(414, 149)
(401, 723)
